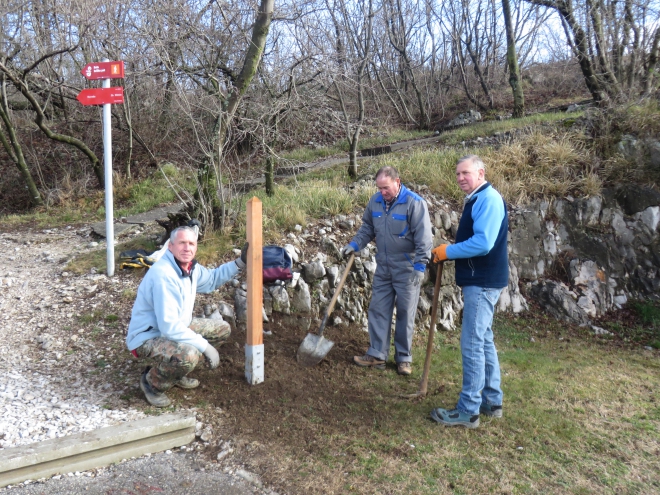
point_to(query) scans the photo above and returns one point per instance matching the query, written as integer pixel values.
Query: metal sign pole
(107, 164)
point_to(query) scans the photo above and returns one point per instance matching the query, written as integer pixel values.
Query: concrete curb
(96, 448)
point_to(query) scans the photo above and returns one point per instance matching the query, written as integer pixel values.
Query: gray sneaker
(153, 396)
(455, 418)
(491, 410)
(368, 361)
(186, 382)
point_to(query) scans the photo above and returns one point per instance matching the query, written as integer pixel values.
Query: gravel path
(46, 386)
(174, 473)
(64, 368)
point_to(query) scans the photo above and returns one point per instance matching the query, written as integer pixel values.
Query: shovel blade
(313, 349)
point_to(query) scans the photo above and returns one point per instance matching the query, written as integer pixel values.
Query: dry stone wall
(576, 258)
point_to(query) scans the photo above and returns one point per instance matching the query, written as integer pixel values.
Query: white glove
(416, 278)
(347, 250)
(212, 356)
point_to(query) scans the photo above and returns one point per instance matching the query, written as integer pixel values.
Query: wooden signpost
(254, 347)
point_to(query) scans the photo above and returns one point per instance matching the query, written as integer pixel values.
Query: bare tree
(353, 28)
(512, 61)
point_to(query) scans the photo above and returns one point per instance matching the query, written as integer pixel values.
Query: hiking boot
(185, 382)
(404, 369)
(455, 418)
(153, 396)
(491, 410)
(368, 361)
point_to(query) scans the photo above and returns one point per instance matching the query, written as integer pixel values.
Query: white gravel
(36, 407)
(53, 376)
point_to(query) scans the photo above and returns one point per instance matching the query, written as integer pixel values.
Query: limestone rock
(302, 299)
(313, 271)
(634, 198)
(267, 301)
(280, 297)
(556, 299)
(333, 275)
(330, 247)
(649, 217)
(292, 252)
(240, 305)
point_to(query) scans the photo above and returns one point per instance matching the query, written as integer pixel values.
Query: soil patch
(297, 413)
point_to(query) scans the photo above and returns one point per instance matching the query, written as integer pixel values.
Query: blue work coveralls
(404, 240)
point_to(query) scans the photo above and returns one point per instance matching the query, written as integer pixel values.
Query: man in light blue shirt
(482, 271)
(162, 325)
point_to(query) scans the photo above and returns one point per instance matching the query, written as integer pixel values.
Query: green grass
(129, 198)
(97, 259)
(293, 205)
(490, 127)
(643, 329)
(578, 418)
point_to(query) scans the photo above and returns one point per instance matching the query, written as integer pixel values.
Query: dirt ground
(289, 418)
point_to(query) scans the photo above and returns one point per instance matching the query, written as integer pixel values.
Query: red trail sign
(103, 70)
(101, 96)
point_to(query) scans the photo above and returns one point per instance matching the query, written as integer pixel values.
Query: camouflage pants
(177, 359)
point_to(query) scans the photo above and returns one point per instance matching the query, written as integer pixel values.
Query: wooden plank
(254, 348)
(255, 279)
(95, 448)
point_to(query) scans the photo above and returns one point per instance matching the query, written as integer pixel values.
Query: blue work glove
(347, 250)
(416, 278)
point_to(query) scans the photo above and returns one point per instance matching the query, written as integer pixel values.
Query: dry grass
(535, 165)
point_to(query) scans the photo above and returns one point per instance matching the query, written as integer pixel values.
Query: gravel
(47, 388)
(172, 473)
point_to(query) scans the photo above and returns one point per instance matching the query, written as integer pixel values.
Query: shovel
(424, 382)
(314, 348)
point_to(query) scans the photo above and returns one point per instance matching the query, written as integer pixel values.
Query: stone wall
(577, 258)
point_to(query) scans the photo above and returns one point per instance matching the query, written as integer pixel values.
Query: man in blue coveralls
(398, 219)
(482, 270)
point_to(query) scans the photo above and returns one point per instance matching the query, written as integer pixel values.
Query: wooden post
(254, 347)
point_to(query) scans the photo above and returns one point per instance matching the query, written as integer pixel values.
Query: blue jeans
(481, 368)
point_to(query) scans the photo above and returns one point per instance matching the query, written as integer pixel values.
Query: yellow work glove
(439, 253)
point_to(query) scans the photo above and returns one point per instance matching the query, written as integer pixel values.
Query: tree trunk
(581, 46)
(603, 59)
(14, 149)
(269, 175)
(208, 188)
(40, 120)
(512, 60)
(653, 62)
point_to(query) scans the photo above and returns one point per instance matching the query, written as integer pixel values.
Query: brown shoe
(404, 369)
(368, 361)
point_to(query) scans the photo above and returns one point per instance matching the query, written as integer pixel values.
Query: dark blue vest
(488, 271)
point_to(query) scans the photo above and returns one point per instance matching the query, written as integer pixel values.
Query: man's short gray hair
(475, 159)
(387, 171)
(176, 231)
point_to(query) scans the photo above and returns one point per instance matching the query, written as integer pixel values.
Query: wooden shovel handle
(340, 285)
(424, 383)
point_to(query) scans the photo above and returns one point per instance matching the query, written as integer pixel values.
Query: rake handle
(340, 286)
(424, 382)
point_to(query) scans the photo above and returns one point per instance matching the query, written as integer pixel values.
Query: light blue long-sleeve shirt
(165, 300)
